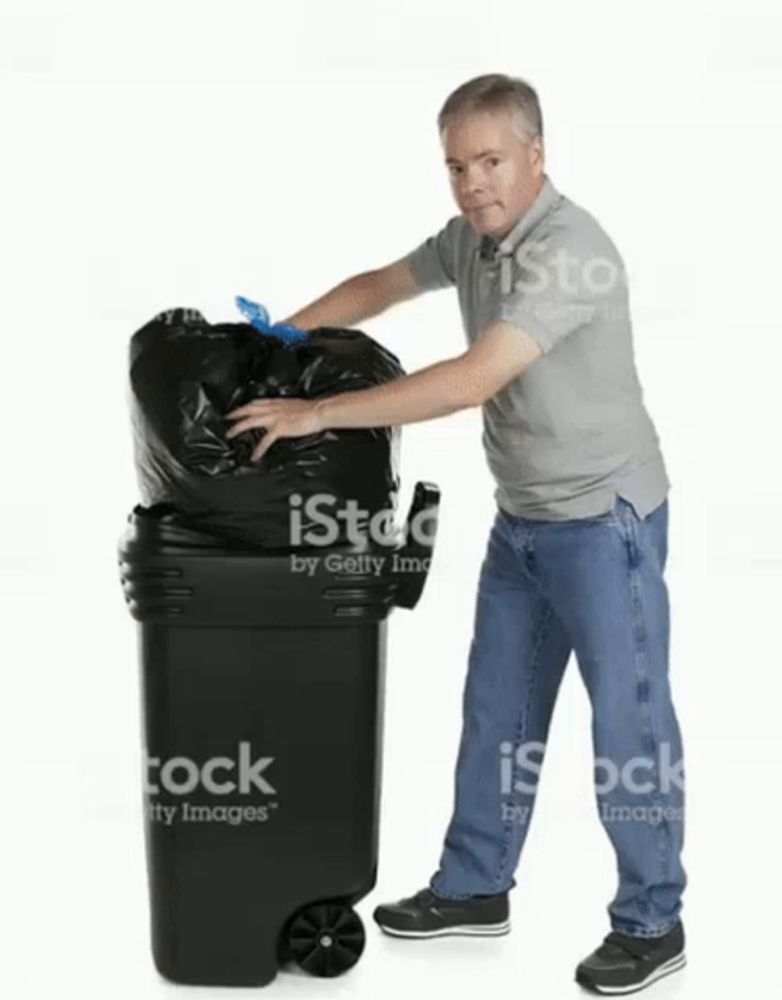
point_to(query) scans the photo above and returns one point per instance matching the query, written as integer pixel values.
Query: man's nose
(472, 181)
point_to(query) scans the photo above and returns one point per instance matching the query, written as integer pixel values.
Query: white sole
(467, 930)
(672, 965)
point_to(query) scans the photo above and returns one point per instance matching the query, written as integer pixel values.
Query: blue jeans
(594, 586)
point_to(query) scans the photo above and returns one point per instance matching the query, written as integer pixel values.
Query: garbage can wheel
(325, 939)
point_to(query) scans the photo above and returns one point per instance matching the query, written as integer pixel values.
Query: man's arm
(358, 298)
(501, 353)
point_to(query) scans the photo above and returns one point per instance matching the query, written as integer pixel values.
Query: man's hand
(502, 352)
(280, 417)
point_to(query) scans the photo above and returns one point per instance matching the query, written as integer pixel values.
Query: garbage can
(262, 680)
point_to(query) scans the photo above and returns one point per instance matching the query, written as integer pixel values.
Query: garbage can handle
(413, 557)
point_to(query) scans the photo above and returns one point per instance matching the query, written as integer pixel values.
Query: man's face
(495, 174)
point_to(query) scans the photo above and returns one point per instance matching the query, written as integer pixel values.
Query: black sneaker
(425, 915)
(624, 963)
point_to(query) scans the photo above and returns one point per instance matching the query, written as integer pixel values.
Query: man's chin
(496, 232)
(489, 223)
(483, 223)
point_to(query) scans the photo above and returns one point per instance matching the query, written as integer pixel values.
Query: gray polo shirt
(571, 432)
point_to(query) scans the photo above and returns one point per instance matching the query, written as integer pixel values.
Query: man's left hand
(280, 418)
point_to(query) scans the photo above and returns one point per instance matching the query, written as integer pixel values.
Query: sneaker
(425, 915)
(625, 963)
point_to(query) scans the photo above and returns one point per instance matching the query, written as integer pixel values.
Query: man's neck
(539, 187)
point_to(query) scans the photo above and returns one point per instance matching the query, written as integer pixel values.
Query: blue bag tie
(258, 316)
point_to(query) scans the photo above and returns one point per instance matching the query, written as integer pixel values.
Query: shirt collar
(547, 197)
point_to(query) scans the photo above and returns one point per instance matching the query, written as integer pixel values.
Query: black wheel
(325, 939)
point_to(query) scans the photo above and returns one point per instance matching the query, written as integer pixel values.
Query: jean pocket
(609, 517)
(621, 511)
(626, 511)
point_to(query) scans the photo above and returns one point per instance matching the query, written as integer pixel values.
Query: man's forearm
(352, 301)
(435, 391)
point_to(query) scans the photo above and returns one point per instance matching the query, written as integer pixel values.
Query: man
(577, 550)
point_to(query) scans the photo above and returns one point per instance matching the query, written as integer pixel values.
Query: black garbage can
(262, 697)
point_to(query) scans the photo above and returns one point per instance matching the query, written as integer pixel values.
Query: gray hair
(492, 92)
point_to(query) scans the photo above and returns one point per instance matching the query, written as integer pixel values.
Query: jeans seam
(640, 646)
(521, 727)
(657, 930)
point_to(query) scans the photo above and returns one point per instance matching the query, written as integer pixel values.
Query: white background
(180, 153)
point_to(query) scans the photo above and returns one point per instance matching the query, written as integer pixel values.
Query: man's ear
(537, 155)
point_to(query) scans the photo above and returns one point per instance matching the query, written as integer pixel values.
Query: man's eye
(493, 160)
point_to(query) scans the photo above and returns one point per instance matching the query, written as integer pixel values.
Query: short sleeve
(554, 287)
(433, 262)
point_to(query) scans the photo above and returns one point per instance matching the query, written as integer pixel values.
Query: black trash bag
(186, 374)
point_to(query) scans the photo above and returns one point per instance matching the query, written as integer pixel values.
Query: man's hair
(493, 92)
